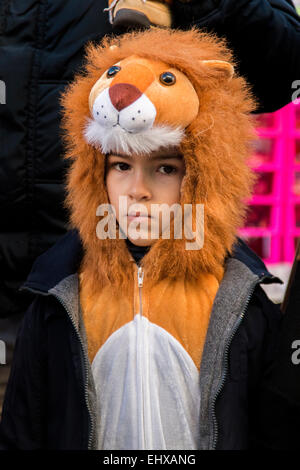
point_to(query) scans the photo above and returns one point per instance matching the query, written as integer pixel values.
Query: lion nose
(123, 94)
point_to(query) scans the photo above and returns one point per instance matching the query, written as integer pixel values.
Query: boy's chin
(142, 241)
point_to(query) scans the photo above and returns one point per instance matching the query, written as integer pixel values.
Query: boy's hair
(215, 148)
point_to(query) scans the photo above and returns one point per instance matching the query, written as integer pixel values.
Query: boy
(139, 338)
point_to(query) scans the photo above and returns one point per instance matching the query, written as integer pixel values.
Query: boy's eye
(121, 166)
(167, 169)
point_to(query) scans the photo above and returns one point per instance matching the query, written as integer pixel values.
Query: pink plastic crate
(292, 231)
(265, 121)
(263, 227)
(296, 184)
(264, 152)
(291, 201)
(296, 143)
(296, 216)
(262, 246)
(297, 118)
(265, 183)
(273, 223)
(267, 155)
(263, 230)
(269, 124)
(259, 216)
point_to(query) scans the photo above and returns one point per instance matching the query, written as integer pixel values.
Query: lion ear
(225, 68)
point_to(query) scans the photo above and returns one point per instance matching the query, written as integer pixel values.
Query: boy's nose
(139, 189)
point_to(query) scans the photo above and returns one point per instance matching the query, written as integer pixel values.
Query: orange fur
(215, 150)
(180, 308)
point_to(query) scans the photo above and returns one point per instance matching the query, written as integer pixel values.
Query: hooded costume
(155, 336)
(146, 324)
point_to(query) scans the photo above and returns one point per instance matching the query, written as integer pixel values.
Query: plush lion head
(136, 106)
(147, 90)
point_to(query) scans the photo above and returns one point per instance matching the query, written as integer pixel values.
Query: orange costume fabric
(181, 308)
(146, 325)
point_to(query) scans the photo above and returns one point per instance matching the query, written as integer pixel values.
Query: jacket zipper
(225, 363)
(140, 275)
(140, 278)
(86, 373)
(84, 357)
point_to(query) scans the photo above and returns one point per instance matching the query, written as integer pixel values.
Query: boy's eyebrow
(156, 157)
(164, 157)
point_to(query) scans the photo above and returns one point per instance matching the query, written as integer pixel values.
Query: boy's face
(144, 180)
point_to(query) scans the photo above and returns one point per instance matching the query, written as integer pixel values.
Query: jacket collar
(63, 259)
(57, 263)
(243, 253)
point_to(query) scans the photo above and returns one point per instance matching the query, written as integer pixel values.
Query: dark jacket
(49, 402)
(41, 47)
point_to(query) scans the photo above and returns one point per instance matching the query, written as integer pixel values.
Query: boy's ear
(225, 68)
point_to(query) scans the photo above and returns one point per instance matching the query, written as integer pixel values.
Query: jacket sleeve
(279, 398)
(274, 403)
(264, 36)
(22, 421)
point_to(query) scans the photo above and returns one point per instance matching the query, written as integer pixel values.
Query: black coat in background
(265, 37)
(41, 47)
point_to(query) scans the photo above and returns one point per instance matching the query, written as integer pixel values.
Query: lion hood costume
(140, 93)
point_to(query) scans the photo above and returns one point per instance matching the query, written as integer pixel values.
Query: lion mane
(215, 147)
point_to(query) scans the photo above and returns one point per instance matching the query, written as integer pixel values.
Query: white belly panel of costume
(148, 392)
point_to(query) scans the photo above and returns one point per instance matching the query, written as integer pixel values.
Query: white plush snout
(131, 129)
(104, 112)
(137, 117)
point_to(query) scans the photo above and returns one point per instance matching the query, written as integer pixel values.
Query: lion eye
(112, 71)
(167, 78)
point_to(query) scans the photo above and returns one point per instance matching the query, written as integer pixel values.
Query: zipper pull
(140, 276)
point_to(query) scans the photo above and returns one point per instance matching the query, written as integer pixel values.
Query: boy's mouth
(138, 215)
